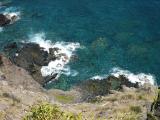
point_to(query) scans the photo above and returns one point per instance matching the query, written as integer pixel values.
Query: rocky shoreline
(23, 85)
(104, 97)
(32, 57)
(93, 88)
(6, 19)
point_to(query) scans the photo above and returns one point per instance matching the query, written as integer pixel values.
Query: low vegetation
(46, 111)
(64, 98)
(136, 109)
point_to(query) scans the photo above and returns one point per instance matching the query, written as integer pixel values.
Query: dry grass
(131, 104)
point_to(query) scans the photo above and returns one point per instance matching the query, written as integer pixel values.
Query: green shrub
(150, 116)
(46, 111)
(2, 115)
(136, 109)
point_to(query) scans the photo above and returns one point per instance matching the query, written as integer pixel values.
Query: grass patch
(112, 99)
(2, 115)
(128, 96)
(64, 98)
(136, 109)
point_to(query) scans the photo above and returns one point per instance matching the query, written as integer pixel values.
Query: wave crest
(64, 53)
(140, 78)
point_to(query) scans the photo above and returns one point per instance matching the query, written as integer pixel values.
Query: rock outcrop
(154, 113)
(92, 88)
(4, 20)
(8, 18)
(19, 91)
(31, 57)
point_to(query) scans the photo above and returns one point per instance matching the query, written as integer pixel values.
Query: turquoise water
(114, 33)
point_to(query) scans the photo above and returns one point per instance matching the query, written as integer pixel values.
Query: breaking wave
(140, 77)
(64, 53)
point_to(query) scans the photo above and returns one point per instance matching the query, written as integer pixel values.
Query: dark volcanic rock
(155, 109)
(31, 54)
(93, 88)
(31, 57)
(10, 46)
(4, 20)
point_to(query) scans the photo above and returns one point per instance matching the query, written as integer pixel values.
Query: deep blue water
(115, 33)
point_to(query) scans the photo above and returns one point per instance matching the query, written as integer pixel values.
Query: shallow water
(121, 33)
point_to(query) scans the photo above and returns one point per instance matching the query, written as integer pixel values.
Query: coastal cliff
(79, 60)
(92, 99)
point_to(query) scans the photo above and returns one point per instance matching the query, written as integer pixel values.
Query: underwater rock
(31, 57)
(93, 88)
(4, 20)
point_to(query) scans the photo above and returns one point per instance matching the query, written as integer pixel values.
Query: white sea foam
(12, 13)
(64, 53)
(1, 29)
(140, 78)
(99, 77)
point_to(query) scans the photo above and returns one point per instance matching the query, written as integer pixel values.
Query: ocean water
(121, 34)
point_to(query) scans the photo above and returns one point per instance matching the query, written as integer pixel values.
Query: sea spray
(11, 13)
(1, 29)
(141, 78)
(64, 52)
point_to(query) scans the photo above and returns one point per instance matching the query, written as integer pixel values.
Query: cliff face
(19, 91)
(154, 114)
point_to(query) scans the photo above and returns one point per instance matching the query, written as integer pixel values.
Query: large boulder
(4, 20)
(31, 57)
